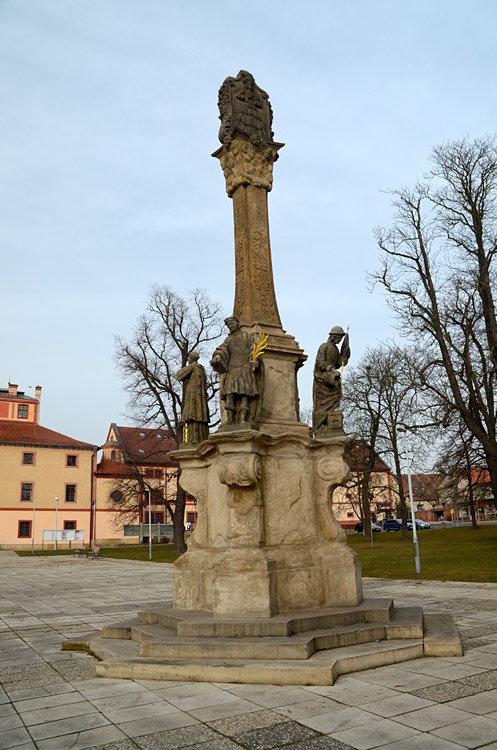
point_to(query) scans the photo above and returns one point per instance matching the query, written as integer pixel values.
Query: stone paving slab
(51, 700)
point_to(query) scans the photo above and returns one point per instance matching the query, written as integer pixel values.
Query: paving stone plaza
(51, 700)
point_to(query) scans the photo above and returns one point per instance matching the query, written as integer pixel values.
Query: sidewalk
(51, 700)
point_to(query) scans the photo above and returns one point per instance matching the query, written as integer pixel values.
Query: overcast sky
(109, 117)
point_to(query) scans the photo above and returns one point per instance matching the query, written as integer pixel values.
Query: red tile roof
(358, 456)
(110, 468)
(424, 486)
(28, 433)
(145, 446)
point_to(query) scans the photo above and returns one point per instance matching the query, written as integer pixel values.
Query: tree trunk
(366, 508)
(179, 545)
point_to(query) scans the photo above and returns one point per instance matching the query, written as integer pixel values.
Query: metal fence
(159, 530)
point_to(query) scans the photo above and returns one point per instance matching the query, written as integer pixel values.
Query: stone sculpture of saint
(327, 390)
(195, 412)
(238, 388)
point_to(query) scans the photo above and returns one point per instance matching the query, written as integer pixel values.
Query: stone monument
(266, 539)
(268, 590)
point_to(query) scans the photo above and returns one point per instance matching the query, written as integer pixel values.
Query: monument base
(310, 648)
(266, 540)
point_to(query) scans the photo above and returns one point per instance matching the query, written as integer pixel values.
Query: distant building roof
(20, 395)
(424, 486)
(110, 468)
(358, 456)
(142, 445)
(28, 433)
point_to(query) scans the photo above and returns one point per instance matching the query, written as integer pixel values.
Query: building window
(22, 411)
(28, 459)
(116, 496)
(71, 460)
(350, 515)
(69, 524)
(113, 455)
(70, 493)
(190, 517)
(149, 472)
(27, 491)
(158, 473)
(24, 529)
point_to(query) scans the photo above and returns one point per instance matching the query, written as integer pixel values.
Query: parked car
(393, 524)
(419, 524)
(374, 526)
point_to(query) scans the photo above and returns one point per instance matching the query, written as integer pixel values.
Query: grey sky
(107, 184)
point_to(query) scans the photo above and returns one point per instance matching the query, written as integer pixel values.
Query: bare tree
(460, 461)
(171, 328)
(378, 398)
(438, 268)
(129, 498)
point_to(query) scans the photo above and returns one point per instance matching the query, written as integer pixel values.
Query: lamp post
(409, 481)
(149, 523)
(56, 511)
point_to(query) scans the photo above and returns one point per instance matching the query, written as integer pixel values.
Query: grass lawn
(451, 554)
(162, 553)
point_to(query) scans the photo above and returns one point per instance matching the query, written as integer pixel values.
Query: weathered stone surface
(244, 107)
(266, 540)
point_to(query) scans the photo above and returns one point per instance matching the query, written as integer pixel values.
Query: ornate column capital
(247, 160)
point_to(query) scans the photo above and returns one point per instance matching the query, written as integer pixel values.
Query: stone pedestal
(266, 540)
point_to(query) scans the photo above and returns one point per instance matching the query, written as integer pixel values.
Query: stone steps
(309, 648)
(204, 625)
(162, 643)
(121, 659)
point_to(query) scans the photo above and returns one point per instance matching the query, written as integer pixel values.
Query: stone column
(247, 163)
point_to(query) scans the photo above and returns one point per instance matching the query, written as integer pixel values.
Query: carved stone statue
(245, 107)
(195, 412)
(239, 386)
(327, 391)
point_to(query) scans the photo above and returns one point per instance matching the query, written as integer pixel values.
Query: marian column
(247, 157)
(266, 540)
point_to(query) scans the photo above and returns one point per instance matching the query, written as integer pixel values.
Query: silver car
(419, 524)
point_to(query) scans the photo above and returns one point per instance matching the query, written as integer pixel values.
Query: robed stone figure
(327, 390)
(239, 386)
(195, 412)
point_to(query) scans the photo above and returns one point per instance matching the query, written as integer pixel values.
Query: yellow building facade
(46, 478)
(133, 461)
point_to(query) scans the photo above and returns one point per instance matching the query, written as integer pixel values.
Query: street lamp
(409, 481)
(56, 511)
(149, 523)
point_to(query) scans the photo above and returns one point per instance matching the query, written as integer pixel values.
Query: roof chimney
(12, 389)
(38, 398)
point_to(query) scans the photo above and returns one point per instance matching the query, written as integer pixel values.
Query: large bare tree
(171, 327)
(378, 398)
(438, 269)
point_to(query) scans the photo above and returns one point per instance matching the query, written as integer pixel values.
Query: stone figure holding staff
(327, 390)
(195, 412)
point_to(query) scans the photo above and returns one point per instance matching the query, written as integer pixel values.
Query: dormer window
(142, 434)
(113, 455)
(140, 450)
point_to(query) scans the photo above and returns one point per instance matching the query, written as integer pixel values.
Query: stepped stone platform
(313, 647)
